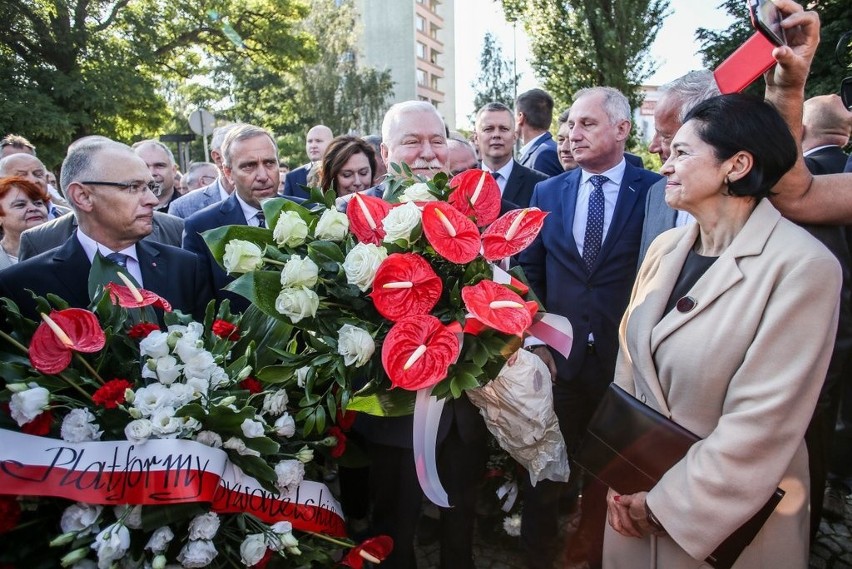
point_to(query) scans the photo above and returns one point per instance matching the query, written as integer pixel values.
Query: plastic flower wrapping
(128, 440)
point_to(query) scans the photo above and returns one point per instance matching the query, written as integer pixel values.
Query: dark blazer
(172, 273)
(543, 156)
(196, 200)
(659, 217)
(828, 160)
(593, 302)
(168, 230)
(634, 159)
(519, 186)
(294, 180)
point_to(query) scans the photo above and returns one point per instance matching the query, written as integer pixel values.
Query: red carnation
(499, 307)
(136, 297)
(340, 447)
(10, 513)
(417, 352)
(111, 394)
(140, 331)
(512, 233)
(60, 333)
(39, 426)
(476, 194)
(345, 419)
(375, 550)
(366, 214)
(251, 385)
(405, 284)
(226, 330)
(452, 234)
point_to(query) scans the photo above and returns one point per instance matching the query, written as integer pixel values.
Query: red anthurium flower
(375, 550)
(512, 233)
(417, 352)
(225, 329)
(499, 307)
(111, 394)
(365, 215)
(60, 333)
(140, 331)
(405, 284)
(453, 235)
(132, 297)
(251, 385)
(476, 194)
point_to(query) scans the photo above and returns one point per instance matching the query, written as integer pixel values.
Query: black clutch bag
(629, 447)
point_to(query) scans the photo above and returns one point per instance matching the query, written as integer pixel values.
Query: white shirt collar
(525, 148)
(90, 247)
(615, 174)
(818, 148)
(249, 211)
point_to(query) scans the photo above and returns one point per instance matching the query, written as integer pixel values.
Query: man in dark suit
(218, 191)
(533, 114)
(167, 229)
(316, 142)
(108, 187)
(826, 126)
(250, 162)
(582, 266)
(495, 136)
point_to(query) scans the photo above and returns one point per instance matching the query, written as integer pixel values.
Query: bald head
(317, 141)
(26, 166)
(825, 121)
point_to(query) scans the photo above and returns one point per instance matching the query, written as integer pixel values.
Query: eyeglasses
(129, 187)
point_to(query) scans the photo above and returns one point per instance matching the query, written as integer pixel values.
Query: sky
(675, 49)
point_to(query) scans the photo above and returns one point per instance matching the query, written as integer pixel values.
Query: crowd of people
(716, 292)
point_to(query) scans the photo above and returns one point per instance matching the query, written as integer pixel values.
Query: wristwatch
(652, 520)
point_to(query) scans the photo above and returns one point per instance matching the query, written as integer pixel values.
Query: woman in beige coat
(728, 332)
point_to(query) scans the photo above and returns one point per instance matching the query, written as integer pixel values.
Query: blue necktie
(595, 222)
(119, 259)
(261, 219)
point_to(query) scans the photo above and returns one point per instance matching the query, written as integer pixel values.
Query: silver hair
(615, 104)
(393, 114)
(78, 163)
(194, 171)
(691, 89)
(4, 162)
(219, 134)
(243, 131)
(163, 147)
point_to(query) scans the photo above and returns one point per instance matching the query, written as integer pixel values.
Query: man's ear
(79, 196)
(623, 130)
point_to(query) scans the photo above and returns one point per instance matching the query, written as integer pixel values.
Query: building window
(421, 24)
(433, 83)
(433, 31)
(433, 57)
(421, 51)
(421, 78)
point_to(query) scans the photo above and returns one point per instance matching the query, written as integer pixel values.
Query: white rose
(111, 544)
(290, 230)
(299, 271)
(237, 444)
(275, 403)
(285, 426)
(252, 429)
(333, 225)
(79, 426)
(252, 549)
(80, 518)
(242, 256)
(167, 370)
(160, 539)
(155, 345)
(138, 431)
(197, 553)
(355, 345)
(418, 192)
(361, 264)
(400, 222)
(29, 404)
(290, 474)
(209, 438)
(297, 303)
(204, 526)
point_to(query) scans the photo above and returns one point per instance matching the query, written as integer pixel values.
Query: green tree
(77, 67)
(495, 81)
(832, 63)
(587, 43)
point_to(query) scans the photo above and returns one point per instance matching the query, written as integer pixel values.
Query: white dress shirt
(249, 212)
(90, 247)
(504, 172)
(581, 211)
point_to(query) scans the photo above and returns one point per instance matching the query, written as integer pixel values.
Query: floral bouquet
(127, 443)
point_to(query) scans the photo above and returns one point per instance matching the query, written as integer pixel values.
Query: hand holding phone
(766, 18)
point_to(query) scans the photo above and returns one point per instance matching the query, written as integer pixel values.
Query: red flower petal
(365, 215)
(506, 237)
(484, 204)
(463, 247)
(225, 329)
(515, 320)
(346, 419)
(47, 352)
(420, 298)
(417, 352)
(140, 331)
(251, 385)
(111, 394)
(40, 426)
(340, 447)
(121, 295)
(378, 548)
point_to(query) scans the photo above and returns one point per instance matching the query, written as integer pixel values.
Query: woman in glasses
(22, 205)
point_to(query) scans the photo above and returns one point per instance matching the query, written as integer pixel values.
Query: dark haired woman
(347, 166)
(729, 332)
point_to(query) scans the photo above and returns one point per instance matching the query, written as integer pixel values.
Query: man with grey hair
(15, 144)
(678, 98)
(214, 192)
(29, 167)
(161, 163)
(250, 163)
(109, 188)
(462, 156)
(199, 175)
(582, 266)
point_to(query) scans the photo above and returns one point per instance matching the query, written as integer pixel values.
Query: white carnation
(242, 256)
(299, 272)
(361, 264)
(275, 403)
(197, 553)
(290, 230)
(80, 518)
(512, 525)
(209, 438)
(252, 549)
(155, 345)
(333, 225)
(285, 426)
(111, 544)
(290, 474)
(79, 426)
(138, 431)
(28, 404)
(400, 222)
(418, 192)
(355, 345)
(252, 429)
(160, 539)
(204, 526)
(297, 303)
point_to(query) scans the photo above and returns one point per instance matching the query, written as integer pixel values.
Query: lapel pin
(685, 304)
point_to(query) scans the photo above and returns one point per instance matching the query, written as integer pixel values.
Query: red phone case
(744, 66)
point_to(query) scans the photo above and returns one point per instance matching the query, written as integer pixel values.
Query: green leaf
(322, 252)
(391, 403)
(263, 445)
(262, 288)
(272, 209)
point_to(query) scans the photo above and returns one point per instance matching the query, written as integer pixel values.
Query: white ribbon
(509, 490)
(427, 416)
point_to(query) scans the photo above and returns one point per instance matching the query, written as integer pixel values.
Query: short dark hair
(537, 107)
(339, 151)
(737, 122)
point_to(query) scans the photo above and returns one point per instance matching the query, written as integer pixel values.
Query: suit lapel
(628, 198)
(153, 268)
(231, 211)
(70, 261)
(513, 184)
(569, 205)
